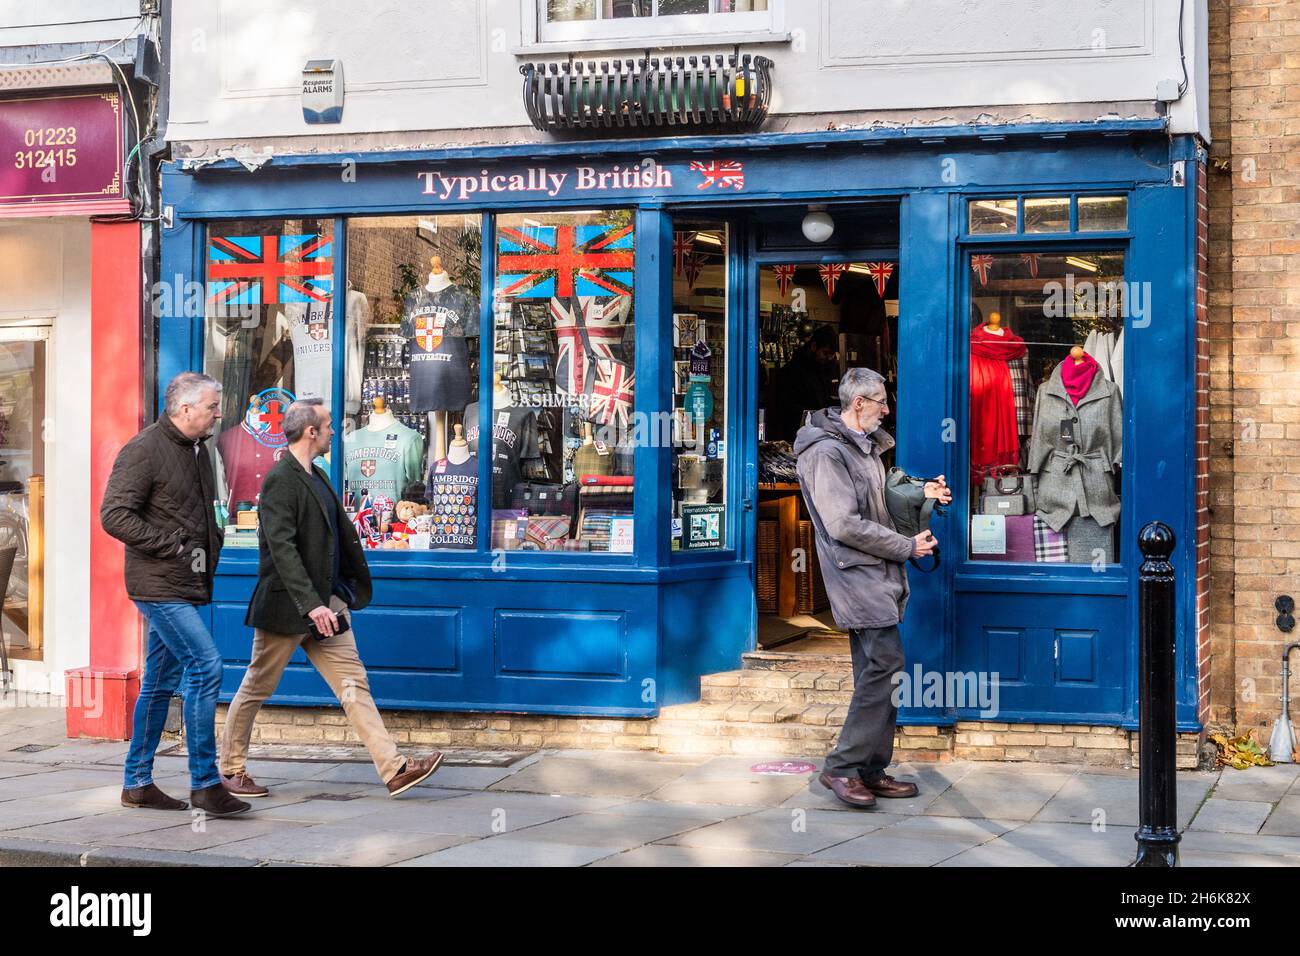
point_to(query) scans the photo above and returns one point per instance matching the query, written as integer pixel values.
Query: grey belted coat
(1076, 479)
(861, 555)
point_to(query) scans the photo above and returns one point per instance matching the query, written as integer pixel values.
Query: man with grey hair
(311, 574)
(863, 565)
(158, 503)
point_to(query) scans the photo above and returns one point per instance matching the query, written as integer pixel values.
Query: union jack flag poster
(784, 276)
(266, 270)
(587, 328)
(981, 265)
(880, 273)
(723, 173)
(539, 262)
(830, 274)
(683, 243)
(611, 392)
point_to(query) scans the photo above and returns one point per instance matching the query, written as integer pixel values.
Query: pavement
(59, 805)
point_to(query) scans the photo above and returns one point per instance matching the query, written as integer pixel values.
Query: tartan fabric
(1023, 389)
(1049, 545)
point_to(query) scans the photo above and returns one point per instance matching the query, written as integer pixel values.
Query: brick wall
(1261, 87)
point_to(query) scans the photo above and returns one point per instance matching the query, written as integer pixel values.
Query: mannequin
(385, 457)
(458, 450)
(994, 438)
(452, 492)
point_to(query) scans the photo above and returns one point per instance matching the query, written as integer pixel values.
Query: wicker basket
(769, 564)
(810, 592)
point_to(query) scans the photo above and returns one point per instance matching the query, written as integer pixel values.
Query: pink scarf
(1077, 379)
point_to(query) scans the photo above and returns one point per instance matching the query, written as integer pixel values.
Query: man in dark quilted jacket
(159, 503)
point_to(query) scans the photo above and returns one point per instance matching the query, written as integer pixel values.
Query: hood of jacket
(827, 425)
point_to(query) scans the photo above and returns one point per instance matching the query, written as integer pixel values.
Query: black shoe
(149, 797)
(217, 801)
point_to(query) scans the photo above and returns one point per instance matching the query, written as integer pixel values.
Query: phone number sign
(63, 150)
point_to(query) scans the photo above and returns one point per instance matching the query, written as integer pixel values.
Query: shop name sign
(551, 182)
(62, 150)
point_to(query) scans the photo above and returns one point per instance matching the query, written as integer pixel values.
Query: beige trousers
(336, 660)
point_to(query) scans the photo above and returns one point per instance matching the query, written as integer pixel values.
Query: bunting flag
(830, 274)
(880, 273)
(981, 265)
(784, 276)
(683, 244)
(544, 261)
(1030, 259)
(611, 392)
(694, 265)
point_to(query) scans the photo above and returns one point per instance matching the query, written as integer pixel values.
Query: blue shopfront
(636, 328)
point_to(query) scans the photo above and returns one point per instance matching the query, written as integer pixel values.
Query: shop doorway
(815, 320)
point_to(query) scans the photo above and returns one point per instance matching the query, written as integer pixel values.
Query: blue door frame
(637, 624)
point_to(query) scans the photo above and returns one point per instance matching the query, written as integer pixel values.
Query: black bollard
(1157, 835)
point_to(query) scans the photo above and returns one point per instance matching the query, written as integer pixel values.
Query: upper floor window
(560, 20)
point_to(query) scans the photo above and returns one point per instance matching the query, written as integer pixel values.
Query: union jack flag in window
(266, 270)
(611, 393)
(538, 262)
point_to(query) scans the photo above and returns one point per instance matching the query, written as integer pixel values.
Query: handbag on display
(1003, 486)
(540, 498)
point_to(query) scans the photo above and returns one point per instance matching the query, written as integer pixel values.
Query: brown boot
(216, 802)
(415, 770)
(242, 785)
(887, 786)
(849, 790)
(149, 797)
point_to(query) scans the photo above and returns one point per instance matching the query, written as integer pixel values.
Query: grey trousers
(866, 743)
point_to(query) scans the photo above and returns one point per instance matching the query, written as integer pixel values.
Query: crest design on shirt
(317, 327)
(428, 330)
(264, 419)
(368, 467)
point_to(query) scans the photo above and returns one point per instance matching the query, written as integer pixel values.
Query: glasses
(868, 398)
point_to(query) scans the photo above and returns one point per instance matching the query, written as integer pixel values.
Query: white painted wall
(412, 65)
(45, 273)
(31, 22)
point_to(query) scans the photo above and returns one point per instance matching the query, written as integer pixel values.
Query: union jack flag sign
(683, 243)
(539, 262)
(611, 393)
(265, 270)
(830, 274)
(880, 273)
(694, 266)
(981, 265)
(784, 276)
(723, 173)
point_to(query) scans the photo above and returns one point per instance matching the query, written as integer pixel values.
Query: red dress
(993, 438)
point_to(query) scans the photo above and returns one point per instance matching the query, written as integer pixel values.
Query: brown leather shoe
(149, 797)
(242, 785)
(416, 769)
(216, 802)
(849, 790)
(887, 786)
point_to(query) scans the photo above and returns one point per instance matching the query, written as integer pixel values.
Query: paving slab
(1200, 858)
(57, 782)
(615, 776)
(659, 855)
(340, 844)
(1001, 793)
(1084, 794)
(92, 829)
(211, 833)
(607, 829)
(1231, 816)
(915, 841)
(488, 814)
(1208, 840)
(1052, 844)
(1262, 784)
(1285, 818)
(512, 851)
(702, 812)
(798, 832)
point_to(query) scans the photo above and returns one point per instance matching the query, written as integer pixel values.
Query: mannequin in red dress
(993, 439)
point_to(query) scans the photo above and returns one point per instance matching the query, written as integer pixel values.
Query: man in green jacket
(312, 574)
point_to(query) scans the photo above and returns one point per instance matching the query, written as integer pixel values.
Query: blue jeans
(180, 653)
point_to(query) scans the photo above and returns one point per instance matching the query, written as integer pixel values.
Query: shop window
(411, 370)
(1047, 214)
(563, 431)
(1103, 213)
(268, 339)
(1045, 406)
(699, 423)
(991, 216)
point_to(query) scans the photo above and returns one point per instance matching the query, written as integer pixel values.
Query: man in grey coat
(863, 565)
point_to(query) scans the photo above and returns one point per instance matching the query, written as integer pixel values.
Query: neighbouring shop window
(1103, 213)
(579, 20)
(269, 338)
(22, 489)
(563, 433)
(699, 424)
(1045, 406)
(411, 469)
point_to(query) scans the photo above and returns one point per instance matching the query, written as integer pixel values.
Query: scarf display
(1077, 377)
(994, 438)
